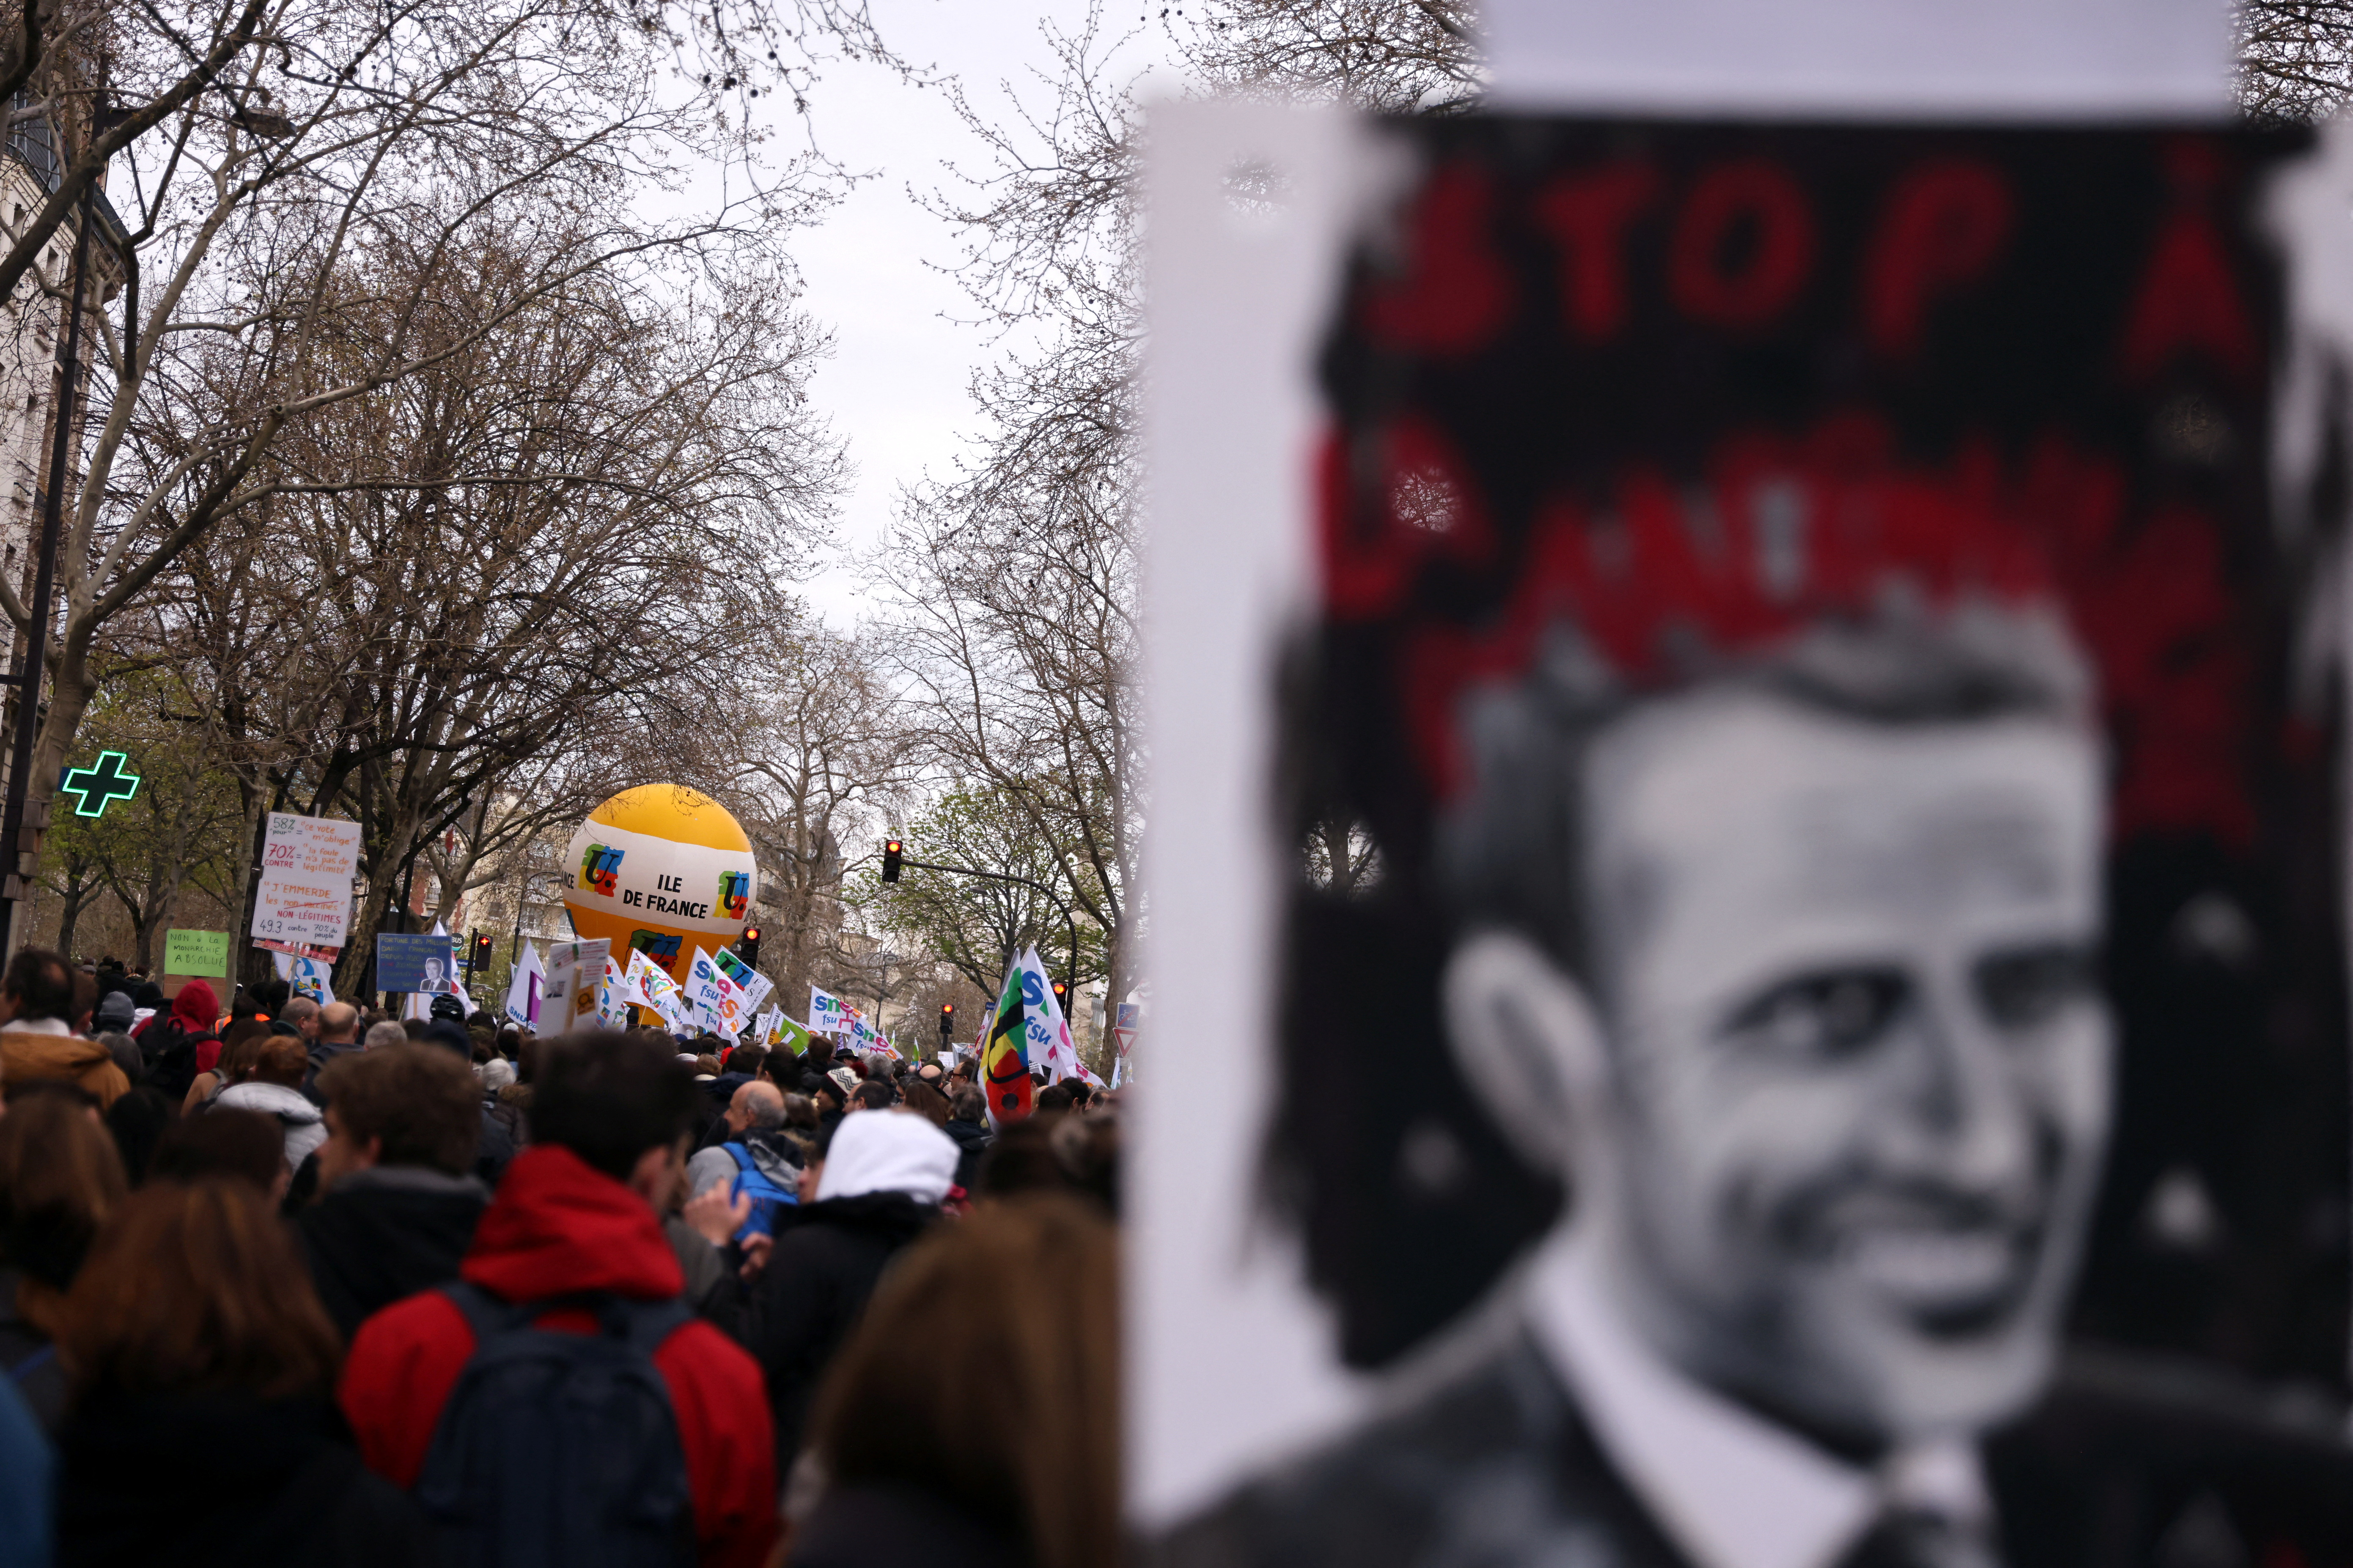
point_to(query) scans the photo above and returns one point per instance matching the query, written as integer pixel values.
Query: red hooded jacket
(557, 1226)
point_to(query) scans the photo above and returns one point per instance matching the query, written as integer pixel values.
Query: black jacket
(228, 1479)
(972, 1141)
(824, 1265)
(385, 1234)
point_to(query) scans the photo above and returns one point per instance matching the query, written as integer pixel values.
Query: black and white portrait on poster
(1787, 959)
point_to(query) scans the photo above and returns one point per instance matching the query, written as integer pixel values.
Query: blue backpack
(766, 1196)
(559, 1448)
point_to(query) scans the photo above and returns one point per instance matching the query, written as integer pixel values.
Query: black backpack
(559, 1449)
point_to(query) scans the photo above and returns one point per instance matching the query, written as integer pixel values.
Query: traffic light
(1062, 994)
(947, 1022)
(480, 957)
(747, 946)
(890, 859)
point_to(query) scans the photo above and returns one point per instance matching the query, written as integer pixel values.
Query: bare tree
(373, 194)
(819, 752)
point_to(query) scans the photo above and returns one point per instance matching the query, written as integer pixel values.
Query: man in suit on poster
(1805, 1012)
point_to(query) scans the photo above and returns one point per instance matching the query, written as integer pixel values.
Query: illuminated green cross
(100, 785)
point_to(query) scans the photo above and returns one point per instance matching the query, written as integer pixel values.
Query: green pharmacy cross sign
(100, 785)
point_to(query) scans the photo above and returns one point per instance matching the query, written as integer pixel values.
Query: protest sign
(420, 962)
(568, 994)
(1673, 480)
(302, 889)
(200, 954)
(827, 1015)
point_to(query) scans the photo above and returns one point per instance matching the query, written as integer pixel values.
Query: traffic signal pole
(1070, 974)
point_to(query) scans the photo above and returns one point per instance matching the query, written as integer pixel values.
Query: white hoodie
(888, 1151)
(305, 1126)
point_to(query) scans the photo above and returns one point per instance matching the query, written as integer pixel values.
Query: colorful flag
(661, 993)
(787, 1036)
(825, 1013)
(1049, 1033)
(312, 977)
(754, 985)
(717, 1001)
(522, 991)
(1005, 1060)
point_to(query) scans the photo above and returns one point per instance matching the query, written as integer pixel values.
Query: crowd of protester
(286, 1282)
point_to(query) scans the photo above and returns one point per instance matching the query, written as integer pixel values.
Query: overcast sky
(895, 387)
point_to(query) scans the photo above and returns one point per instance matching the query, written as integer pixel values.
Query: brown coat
(26, 1056)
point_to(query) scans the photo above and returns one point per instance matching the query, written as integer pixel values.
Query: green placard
(203, 954)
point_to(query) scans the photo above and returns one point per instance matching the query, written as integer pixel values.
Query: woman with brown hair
(999, 1443)
(59, 1178)
(201, 1426)
(238, 1050)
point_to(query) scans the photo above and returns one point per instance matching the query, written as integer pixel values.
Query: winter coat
(824, 1265)
(321, 1053)
(557, 1227)
(382, 1235)
(776, 1158)
(972, 1141)
(306, 1127)
(26, 1057)
(224, 1479)
(169, 1042)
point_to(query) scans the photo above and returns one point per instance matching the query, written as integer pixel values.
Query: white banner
(523, 990)
(827, 1015)
(303, 889)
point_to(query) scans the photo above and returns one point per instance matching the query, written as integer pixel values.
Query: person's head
(38, 984)
(412, 1105)
(930, 1073)
(116, 1011)
(1791, 973)
(383, 1034)
(302, 1012)
(1081, 1093)
(968, 1104)
(623, 1106)
(800, 1112)
(833, 1088)
(1012, 1412)
(339, 1023)
(196, 1288)
(413, 1028)
(60, 1177)
(195, 1009)
(1054, 1097)
(756, 1107)
(226, 1141)
(125, 1052)
(435, 971)
(280, 1059)
(928, 1103)
(85, 1001)
(872, 1095)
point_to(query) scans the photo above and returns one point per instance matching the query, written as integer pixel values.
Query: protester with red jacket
(577, 1214)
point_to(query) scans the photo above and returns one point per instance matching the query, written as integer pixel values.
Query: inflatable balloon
(661, 868)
